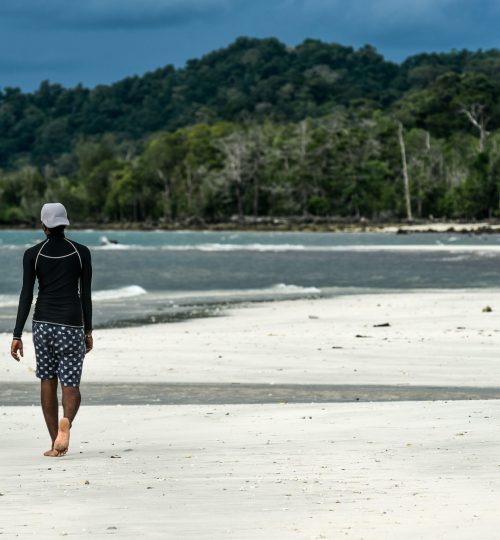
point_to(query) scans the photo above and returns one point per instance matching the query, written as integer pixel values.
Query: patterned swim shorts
(59, 352)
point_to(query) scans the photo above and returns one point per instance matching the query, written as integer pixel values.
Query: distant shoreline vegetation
(314, 136)
(289, 225)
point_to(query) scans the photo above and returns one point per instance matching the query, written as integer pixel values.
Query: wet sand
(12, 394)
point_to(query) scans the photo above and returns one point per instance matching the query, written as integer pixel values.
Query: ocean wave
(279, 290)
(9, 300)
(15, 247)
(250, 247)
(121, 292)
(121, 247)
(217, 247)
(283, 288)
(258, 247)
(220, 248)
(106, 243)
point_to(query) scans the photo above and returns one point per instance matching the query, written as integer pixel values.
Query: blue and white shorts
(59, 352)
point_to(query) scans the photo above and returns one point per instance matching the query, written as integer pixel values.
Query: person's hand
(89, 343)
(15, 348)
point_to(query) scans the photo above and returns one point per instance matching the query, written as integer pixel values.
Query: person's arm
(86, 297)
(26, 296)
(25, 300)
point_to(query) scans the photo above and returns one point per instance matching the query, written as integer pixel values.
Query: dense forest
(261, 129)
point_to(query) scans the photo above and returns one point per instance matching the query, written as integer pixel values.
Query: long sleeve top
(64, 271)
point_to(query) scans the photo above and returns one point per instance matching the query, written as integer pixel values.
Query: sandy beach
(371, 470)
(434, 337)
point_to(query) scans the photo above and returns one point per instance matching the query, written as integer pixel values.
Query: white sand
(426, 470)
(413, 470)
(435, 338)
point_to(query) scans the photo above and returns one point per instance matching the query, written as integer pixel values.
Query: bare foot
(62, 440)
(51, 453)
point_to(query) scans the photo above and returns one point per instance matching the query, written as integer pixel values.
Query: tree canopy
(260, 129)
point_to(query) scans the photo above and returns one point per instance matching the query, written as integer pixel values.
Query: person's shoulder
(82, 248)
(33, 250)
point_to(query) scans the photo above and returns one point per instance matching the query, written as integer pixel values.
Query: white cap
(53, 215)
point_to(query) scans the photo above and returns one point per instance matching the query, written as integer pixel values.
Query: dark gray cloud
(101, 41)
(371, 13)
(399, 21)
(111, 14)
(27, 65)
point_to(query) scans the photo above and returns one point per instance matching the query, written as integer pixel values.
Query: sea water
(165, 275)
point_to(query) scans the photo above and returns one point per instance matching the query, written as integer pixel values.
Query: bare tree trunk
(423, 177)
(302, 159)
(405, 172)
(189, 191)
(256, 188)
(167, 208)
(418, 179)
(259, 157)
(235, 148)
(239, 201)
(236, 163)
(475, 114)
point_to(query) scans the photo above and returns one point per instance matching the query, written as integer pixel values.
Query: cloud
(112, 14)
(15, 64)
(383, 8)
(403, 25)
(383, 15)
(376, 8)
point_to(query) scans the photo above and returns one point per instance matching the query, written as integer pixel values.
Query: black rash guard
(64, 271)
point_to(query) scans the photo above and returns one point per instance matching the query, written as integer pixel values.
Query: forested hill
(260, 129)
(251, 80)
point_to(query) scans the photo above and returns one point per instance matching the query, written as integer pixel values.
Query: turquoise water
(210, 240)
(155, 275)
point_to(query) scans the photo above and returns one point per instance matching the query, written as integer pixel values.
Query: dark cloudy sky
(100, 41)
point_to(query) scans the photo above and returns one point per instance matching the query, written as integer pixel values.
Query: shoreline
(439, 337)
(291, 225)
(206, 309)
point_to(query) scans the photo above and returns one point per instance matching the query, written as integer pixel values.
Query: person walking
(62, 320)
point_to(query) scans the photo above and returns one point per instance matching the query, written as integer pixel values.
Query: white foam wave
(217, 247)
(257, 247)
(122, 292)
(106, 243)
(11, 300)
(283, 288)
(121, 247)
(250, 247)
(464, 248)
(8, 300)
(279, 290)
(15, 247)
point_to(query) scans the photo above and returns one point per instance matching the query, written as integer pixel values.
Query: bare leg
(50, 408)
(71, 400)
(71, 403)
